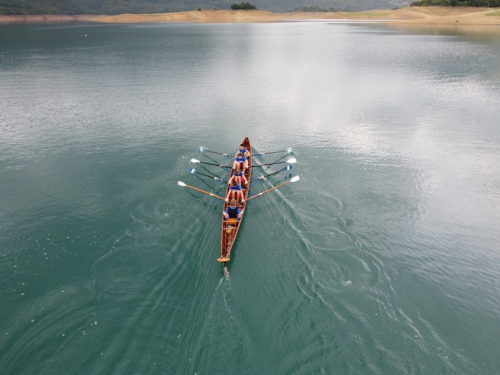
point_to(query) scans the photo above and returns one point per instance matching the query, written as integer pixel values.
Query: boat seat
(239, 205)
(231, 221)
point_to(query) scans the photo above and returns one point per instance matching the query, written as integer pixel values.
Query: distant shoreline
(50, 18)
(409, 15)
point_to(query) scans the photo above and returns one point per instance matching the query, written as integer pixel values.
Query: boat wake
(221, 338)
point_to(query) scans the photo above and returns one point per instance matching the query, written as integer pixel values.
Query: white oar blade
(194, 161)
(291, 161)
(295, 179)
(181, 183)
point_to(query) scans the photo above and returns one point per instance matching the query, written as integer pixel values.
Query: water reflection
(387, 244)
(474, 32)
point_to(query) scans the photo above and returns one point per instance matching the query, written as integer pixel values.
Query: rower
(240, 161)
(244, 151)
(239, 176)
(235, 192)
(232, 212)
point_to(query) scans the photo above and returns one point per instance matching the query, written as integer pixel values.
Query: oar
(206, 183)
(212, 159)
(265, 169)
(289, 161)
(287, 168)
(207, 170)
(295, 179)
(192, 170)
(201, 191)
(203, 162)
(203, 149)
(289, 150)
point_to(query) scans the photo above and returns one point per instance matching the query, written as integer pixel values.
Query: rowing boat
(231, 227)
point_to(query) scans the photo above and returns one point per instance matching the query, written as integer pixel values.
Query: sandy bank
(410, 15)
(448, 15)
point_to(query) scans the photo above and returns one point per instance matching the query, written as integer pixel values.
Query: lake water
(383, 259)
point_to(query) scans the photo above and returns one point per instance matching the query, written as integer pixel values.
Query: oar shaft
(212, 177)
(217, 165)
(215, 152)
(270, 174)
(205, 192)
(272, 152)
(262, 165)
(206, 175)
(267, 191)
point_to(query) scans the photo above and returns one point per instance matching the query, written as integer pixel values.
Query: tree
(244, 6)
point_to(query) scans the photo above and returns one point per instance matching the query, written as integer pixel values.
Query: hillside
(71, 7)
(435, 16)
(409, 16)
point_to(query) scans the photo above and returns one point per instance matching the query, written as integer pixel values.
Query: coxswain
(232, 212)
(240, 161)
(239, 176)
(235, 192)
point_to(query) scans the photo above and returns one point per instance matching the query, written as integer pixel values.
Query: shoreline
(49, 18)
(409, 15)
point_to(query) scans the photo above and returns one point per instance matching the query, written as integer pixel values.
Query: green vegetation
(457, 3)
(244, 6)
(72, 7)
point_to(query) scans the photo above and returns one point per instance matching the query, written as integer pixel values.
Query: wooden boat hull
(230, 228)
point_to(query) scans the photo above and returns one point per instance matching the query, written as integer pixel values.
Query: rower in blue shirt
(232, 212)
(235, 192)
(240, 161)
(239, 176)
(244, 151)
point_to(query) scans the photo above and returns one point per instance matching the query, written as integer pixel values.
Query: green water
(382, 259)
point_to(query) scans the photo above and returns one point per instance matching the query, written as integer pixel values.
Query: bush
(244, 6)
